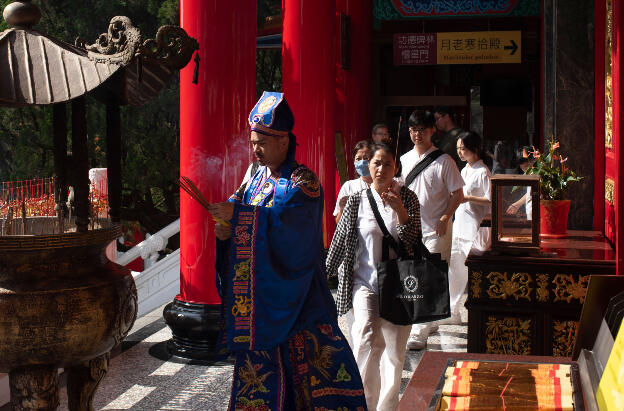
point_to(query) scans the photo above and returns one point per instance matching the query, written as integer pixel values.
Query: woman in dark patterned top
(378, 345)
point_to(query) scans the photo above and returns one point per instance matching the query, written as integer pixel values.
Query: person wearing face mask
(361, 155)
(379, 346)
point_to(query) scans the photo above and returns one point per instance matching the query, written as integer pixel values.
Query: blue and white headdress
(272, 115)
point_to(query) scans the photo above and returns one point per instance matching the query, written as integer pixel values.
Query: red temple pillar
(618, 129)
(353, 80)
(308, 82)
(214, 153)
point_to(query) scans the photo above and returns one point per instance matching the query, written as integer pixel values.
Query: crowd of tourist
(279, 317)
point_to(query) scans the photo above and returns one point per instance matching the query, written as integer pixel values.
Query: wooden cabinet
(531, 305)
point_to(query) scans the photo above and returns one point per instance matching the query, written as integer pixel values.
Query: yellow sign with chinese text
(479, 47)
(610, 394)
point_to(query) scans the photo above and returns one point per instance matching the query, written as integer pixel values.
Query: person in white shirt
(439, 191)
(476, 205)
(379, 346)
(361, 155)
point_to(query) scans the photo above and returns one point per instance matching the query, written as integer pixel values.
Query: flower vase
(554, 217)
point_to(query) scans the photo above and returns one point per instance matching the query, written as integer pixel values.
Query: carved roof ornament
(148, 64)
(38, 69)
(117, 46)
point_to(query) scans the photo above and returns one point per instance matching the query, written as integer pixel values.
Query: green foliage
(269, 70)
(554, 175)
(150, 133)
(268, 61)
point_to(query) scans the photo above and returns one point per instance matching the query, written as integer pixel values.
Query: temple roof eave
(38, 70)
(41, 70)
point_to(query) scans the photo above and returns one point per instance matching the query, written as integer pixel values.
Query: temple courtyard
(140, 377)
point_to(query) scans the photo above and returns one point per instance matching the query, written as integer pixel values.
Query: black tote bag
(414, 289)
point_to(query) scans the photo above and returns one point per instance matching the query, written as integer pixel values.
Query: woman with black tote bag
(379, 346)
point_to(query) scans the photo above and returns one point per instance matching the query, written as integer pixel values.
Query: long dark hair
(472, 142)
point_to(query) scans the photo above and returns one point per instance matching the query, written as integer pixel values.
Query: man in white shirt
(380, 133)
(439, 191)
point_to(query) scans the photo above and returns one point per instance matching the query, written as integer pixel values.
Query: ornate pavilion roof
(38, 69)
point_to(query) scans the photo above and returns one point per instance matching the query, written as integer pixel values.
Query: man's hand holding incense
(223, 212)
(223, 232)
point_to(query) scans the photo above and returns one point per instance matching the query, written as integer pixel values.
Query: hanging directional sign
(480, 47)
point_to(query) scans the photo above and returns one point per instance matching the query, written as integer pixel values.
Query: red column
(308, 84)
(618, 128)
(354, 86)
(214, 151)
(599, 115)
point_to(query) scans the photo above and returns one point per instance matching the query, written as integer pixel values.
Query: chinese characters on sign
(482, 47)
(414, 49)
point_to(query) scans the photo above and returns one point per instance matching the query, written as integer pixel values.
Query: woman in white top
(378, 345)
(361, 155)
(468, 216)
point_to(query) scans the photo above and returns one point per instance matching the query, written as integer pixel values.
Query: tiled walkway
(138, 380)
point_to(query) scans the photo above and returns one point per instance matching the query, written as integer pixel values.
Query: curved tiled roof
(36, 69)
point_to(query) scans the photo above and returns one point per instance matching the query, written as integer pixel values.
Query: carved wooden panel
(563, 337)
(509, 335)
(568, 288)
(475, 284)
(504, 287)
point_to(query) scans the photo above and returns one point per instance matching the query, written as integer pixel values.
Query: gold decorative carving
(610, 190)
(608, 77)
(475, 285)
(564, 336)
(566, 288)
(508, 335)
(502, 287)
(542, 292)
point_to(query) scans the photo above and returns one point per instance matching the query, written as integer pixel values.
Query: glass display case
(515, 213)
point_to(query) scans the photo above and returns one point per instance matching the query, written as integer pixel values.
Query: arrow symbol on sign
(513, 47)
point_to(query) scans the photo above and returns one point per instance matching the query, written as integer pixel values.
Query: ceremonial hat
(271, 115)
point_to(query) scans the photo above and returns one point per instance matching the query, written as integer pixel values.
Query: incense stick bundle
(193, 191)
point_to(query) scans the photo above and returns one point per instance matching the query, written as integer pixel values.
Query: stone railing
(159, 282)
(148, 249)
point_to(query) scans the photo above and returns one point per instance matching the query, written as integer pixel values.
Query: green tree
(150, 133)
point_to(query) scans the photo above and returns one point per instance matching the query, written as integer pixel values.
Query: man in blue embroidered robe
(280, 320)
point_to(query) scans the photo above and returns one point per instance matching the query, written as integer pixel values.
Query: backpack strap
(421, 166)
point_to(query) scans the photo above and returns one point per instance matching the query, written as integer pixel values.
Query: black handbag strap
(421, 166)
(388, 240)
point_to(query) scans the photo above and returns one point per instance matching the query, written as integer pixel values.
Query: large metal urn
(62, 304)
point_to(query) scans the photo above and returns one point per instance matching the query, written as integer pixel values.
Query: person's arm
(513, 208)
(410, 232)
(337, 248)
(455, 200)
(342, 201)
(484, 186)
(477, 200)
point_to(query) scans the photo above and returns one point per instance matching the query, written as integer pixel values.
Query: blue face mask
(361, 166)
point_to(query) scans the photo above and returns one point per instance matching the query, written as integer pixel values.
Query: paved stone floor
(140, 377)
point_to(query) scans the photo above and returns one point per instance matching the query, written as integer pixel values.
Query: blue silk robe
(279, 318)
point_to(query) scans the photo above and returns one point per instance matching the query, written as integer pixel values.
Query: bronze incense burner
(63, 304)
